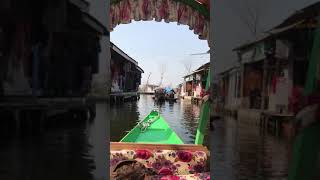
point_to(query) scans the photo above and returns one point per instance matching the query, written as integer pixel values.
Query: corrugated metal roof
(277, 31)
(139, 69)
(205, 66)
(201, 68)
(125, 55)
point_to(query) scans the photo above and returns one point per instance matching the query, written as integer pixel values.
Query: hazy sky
(159, 45)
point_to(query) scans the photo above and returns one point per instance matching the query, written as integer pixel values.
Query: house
(195, 82)
(273, 68)
(125, 72)
(50, 48)
(229, 92)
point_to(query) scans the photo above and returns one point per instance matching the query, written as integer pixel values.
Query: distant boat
(170, 94)
(159, 94)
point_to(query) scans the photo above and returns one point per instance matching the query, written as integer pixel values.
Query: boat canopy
(194, 13)
(168, 89)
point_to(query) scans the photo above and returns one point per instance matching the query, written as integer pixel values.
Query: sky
(160, 46)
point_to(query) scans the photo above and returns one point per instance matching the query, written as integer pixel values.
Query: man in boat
(171, 94)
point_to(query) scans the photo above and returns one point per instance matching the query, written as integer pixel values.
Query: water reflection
(127, 111)
(69, 149)
(181, 115)
(244, 152)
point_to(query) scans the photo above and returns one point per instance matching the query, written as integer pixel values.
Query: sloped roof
(201, 68)
(139, 69)
(126, 56)
(308, 12)
(205, 66)
(122, 53)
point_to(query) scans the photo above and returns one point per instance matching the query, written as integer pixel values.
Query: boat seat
(163, 158)
(198, 176)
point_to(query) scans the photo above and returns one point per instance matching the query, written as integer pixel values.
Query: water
(239, 151)
(76, 149)
(182, 116)
(242, 151)
(69, 149)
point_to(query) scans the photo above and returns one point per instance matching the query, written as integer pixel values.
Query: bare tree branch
(187, 65)
(163, 68)
(250, 15)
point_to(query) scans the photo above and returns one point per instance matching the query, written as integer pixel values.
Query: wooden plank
(272, 113)
(282, 115)
(116, 146)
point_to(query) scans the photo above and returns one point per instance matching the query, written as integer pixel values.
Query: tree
(187, 63)
(249, 12)
(162, 68)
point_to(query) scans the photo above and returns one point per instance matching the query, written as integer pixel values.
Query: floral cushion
(164, 162)
(197, 176)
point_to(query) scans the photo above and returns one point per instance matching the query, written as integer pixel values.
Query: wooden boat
(159, 98)
(152, 142)
(159, 94)
(152, 129)
(171, 99)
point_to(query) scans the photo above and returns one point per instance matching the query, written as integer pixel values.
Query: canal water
(72, 149)
(240, 151)
(182, 116)
(75, 149)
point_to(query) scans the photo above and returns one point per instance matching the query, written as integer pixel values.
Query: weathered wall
(282, 93)
(16, 83)
(232, 100)
(102, 80)
(249, 116)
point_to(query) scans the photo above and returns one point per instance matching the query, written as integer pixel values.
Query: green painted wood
(313, 63)
(159, 132)
(204, 117)
(307, 147)
(305, 154)
(202, 9)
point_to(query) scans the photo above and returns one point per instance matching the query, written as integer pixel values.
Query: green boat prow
(154, 130)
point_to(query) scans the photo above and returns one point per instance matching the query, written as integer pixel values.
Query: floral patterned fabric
(197, 176)
(164, 162)
(169, 10)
